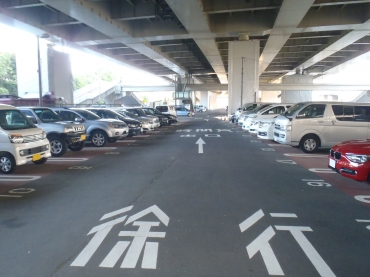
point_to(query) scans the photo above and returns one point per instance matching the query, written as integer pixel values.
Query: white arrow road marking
(200, 143)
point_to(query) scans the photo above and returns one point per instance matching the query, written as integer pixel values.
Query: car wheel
(112, 140)
(77, 146)
(309, 144)
(98, 138)
(7, 163)
(58, 147)
(41, 161)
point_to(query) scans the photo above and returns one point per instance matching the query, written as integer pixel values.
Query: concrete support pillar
(296, 96)
(60, 75)
(27, 69)
(243, 73)
(204, 99)
(56, 74)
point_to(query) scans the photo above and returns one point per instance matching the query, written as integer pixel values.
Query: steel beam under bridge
(262, 87)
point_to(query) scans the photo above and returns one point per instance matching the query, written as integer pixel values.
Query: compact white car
(20, 140)
(251, 123)
(265, 129)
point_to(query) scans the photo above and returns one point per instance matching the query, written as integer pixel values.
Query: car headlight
(16, 138)
(68, 129)
(132, 125)
(116, 126)
(43, 135)
(360, 159)
(286, 127)
(265, 124)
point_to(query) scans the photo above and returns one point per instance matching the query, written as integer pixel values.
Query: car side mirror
(79, 119)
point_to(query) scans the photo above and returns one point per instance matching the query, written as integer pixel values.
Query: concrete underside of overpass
(176, 40)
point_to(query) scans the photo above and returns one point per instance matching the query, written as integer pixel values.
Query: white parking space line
(18, 178)
(322, 170)
(305, 155)
(281, 145)
(67, 159)
(282, 215)
(98, 148)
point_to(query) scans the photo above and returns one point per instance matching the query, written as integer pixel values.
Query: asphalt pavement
(198, 198)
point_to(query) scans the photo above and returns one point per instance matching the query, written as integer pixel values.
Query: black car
(165, 119)
(133, 124)
(171, 118)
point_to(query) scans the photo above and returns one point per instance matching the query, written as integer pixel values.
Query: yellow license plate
(83, 137)
(36, 157)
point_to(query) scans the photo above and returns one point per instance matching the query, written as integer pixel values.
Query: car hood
(353, 146)
(109, 120)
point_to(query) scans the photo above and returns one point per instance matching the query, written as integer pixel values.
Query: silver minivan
(313, 125)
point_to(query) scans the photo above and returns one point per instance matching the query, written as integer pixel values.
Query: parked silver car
(141, 113)
(99, 131)
(146, 123)
(60, 134)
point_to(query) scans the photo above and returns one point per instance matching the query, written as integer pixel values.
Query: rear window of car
(162, 108)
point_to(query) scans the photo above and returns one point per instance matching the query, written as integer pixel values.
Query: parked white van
(20, 140)
(313, 125)
(251, 123)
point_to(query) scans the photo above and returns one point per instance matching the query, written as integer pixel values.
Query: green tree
(81, 80)
(8, 74)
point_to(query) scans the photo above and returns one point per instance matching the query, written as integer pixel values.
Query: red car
(351, 159)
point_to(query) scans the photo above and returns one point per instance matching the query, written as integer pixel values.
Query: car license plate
(36, 157)
(83, 137)
(332, 163)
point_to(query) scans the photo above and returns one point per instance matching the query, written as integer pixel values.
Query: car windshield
(148, 111)
(88, 115)
(127, 113)
(289, 112)
(259, 108)
(14, 120)
(47, 115)
(140, 112)
(114, 114)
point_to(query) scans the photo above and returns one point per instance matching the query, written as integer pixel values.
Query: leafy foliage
(82, 80)
(8, 74)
